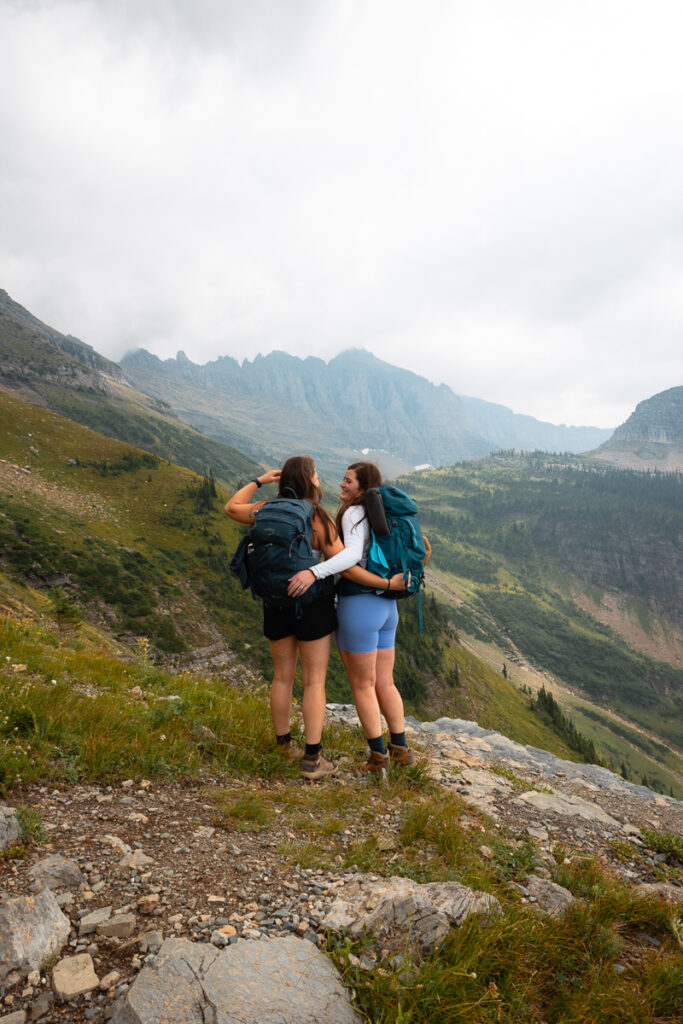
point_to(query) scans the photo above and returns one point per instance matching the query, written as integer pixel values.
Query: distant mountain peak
(652, 436)
(658, 419)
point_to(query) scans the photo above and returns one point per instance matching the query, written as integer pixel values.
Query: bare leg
(361, 669)
(284, 654)
(315, 655)
(388, 697)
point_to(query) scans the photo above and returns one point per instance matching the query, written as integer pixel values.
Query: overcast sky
(488, 192)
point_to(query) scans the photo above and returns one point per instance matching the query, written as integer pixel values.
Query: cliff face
(31, 350)
(659, 419)
(626, 558)
(336, 409)
(651, 438)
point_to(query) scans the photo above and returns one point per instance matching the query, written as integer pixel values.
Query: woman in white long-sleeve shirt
(367, 620)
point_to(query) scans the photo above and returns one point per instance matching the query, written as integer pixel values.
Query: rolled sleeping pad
(376, 514)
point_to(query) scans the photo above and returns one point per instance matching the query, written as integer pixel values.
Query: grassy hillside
(137, 546)
(131, 542)
(524, 546)
(141, 547)
(39, 365)
(119, 529)
(130, 417)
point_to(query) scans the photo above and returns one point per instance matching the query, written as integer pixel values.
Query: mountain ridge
(354, 403)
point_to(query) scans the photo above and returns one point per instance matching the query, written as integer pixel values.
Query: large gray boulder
(400, 910)
(32, 929)
(56, 872)
(567, 806)
(280, 981)
(10, 829)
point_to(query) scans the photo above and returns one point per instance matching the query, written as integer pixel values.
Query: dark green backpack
(277, 546)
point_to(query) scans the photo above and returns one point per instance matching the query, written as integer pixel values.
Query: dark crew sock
(378, 745)
(398, 739)
(282, 740)
(312, 749)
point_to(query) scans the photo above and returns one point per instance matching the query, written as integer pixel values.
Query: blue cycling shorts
(367, 622)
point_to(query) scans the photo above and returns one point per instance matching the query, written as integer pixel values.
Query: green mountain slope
(521, 540)
(61, 373)
(141, 547)
(134, 545)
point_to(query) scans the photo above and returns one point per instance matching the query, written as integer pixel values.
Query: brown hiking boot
(401, 755)
(375, 763)
(317, 767)
(293, 750)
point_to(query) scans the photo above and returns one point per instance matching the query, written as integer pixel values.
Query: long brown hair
(296, 481)
(368, 475)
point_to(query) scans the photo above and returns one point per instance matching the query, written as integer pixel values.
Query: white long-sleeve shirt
(356, 531)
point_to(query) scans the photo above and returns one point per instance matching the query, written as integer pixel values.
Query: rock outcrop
(658, 419)
(252, 982)
(652, 436)
(32, 929)
(402, 912)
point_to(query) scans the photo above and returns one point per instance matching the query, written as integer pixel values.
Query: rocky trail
(143, 907)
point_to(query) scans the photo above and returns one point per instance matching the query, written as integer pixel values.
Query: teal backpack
(396, 542)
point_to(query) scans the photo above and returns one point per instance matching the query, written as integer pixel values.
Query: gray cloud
(483, 192)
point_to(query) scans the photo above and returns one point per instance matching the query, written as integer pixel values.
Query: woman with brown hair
(306, 632)
(367, 620)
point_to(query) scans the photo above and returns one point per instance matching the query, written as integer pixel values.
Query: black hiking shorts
(316, 620)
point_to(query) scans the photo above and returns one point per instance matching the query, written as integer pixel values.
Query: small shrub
(31, 826)
(666, 843)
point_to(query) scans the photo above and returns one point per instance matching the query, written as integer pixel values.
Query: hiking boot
(375, 763)
(316, 767)
(401, 755)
